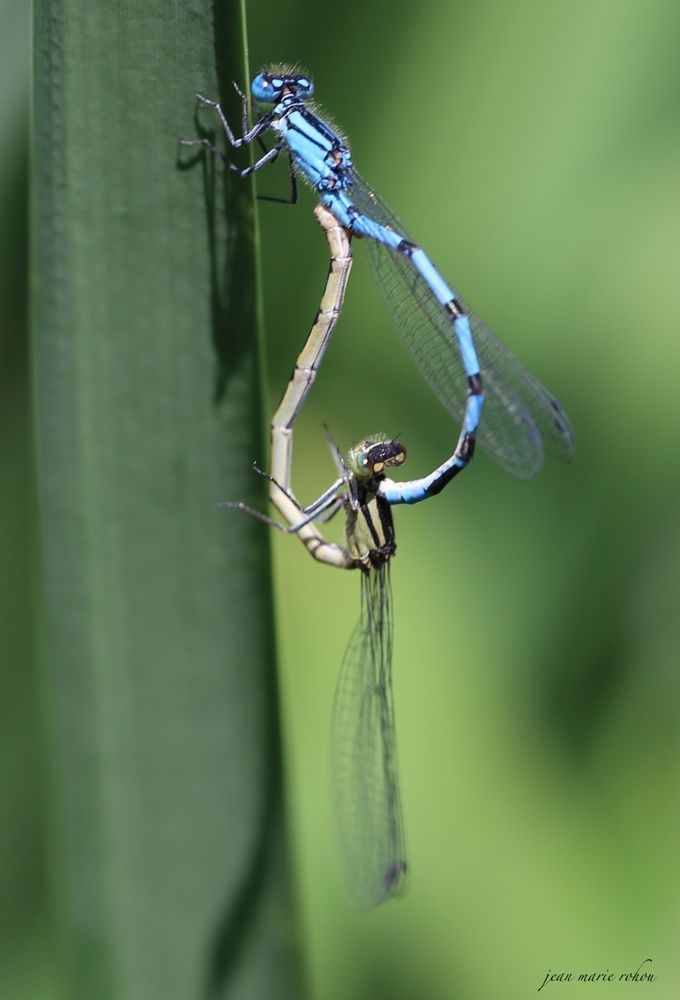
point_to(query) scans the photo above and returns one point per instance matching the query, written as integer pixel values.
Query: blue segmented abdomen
(461, 325)
(431, 275)
(521, 418)
(340, 204)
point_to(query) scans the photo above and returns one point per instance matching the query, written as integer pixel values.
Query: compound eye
(362, 459)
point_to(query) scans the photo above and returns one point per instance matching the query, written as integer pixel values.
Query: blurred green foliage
(534, 150)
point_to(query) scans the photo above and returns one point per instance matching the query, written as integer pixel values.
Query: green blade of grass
(167, 845)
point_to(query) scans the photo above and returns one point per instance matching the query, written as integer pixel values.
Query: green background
(533, 149)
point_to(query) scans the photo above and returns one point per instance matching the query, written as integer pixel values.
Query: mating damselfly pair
(498, 402)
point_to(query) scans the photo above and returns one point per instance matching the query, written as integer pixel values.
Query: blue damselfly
(466, 365)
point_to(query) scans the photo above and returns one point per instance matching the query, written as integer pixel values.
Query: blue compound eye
(265, 88)
(304, 86)
(268, 87)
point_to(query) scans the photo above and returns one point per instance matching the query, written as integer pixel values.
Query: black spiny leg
(293, 189)
(245, 124)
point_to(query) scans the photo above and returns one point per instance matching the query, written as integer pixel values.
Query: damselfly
(521, 418)
(364, 768)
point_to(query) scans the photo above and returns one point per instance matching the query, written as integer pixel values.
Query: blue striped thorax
(318, 153)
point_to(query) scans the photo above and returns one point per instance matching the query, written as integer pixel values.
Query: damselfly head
(375, 455)
(272, 83)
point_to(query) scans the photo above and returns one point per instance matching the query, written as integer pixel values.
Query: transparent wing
(363, 755)
(520, 417)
